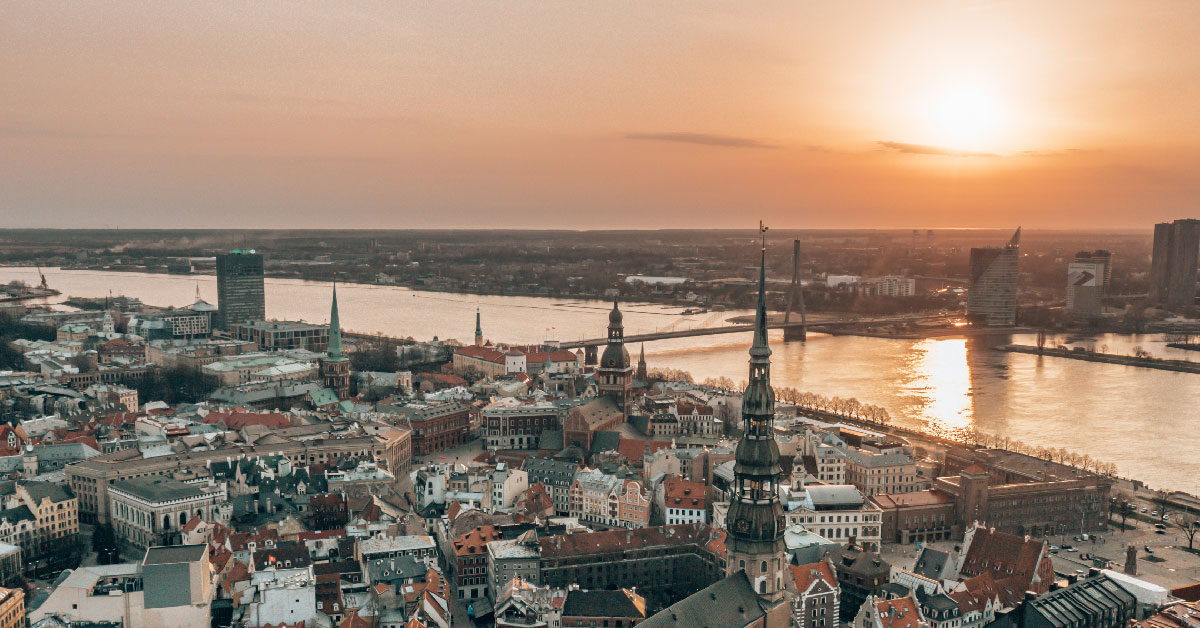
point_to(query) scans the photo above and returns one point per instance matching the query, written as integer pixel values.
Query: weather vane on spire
(762, 230)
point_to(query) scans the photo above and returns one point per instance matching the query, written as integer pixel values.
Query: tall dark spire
(334, 348)
(478, 329)
(755, 518)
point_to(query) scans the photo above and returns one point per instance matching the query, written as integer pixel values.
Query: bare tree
(1189, 525)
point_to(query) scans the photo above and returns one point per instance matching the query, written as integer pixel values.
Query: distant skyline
(617, 115)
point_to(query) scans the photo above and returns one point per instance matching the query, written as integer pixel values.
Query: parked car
(1148, 550)
(1144, 510)
(1153, 513)
(1160, 531)
(1072, 549)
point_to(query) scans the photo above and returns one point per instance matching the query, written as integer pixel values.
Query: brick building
(921, 516)
(664, 563)
(438, 427)
(1023, 495)
(512, 425)
(471, 564)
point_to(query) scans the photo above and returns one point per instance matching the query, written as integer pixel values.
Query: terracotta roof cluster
(1016, 564)
(475, 542)
(805, 575)
(898, 613)
(633, 449)
(620, 540)
(239, 419)
(681, 493)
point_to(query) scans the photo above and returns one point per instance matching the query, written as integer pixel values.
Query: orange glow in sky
(1065, 114)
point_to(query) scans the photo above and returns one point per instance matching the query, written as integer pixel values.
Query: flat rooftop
(174, 554)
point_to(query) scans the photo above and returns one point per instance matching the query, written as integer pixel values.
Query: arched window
(762, 586)
(764, 567)
(742, 564)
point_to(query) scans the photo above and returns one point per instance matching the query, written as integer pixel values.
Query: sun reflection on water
(941, 380)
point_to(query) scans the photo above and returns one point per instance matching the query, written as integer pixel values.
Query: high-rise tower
(755, 518)
(992, 292)
(615, 374)
(240, 296)
(335, 368)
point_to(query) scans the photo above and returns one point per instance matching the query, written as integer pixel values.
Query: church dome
(616, 356)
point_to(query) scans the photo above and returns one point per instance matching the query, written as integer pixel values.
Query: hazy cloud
(704, 139)
(926, 149)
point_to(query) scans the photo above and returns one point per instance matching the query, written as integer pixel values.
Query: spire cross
(762, 232)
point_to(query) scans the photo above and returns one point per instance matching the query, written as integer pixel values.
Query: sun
(965, 117)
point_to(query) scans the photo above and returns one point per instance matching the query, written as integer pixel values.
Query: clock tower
(755, 518)
(615, 375)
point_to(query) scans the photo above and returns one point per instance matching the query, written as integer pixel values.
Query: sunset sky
(544, 114)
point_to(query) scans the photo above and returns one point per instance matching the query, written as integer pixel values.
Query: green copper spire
(334, 349)
(759, 349)
(478, 324)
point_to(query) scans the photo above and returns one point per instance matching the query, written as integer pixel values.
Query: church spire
(478, 329)
(755, 517)
(334, 349)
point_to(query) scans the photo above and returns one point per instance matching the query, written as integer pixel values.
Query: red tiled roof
(475, 542)
(899, 613)
(236, 420)
(616, 540)
(932, 497)
(1016, 563)
(681, 493)
(634, 449)
(487, 354)
(805, 575)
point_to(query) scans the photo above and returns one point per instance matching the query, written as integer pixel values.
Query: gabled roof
(727, 603)
(898, 613)
(806, 575)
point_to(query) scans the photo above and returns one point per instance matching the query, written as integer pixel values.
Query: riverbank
(1178, 366)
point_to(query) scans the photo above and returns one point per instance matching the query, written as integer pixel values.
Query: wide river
(1130, 416)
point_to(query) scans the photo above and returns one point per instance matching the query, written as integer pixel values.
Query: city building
(861, 572)
(682, 501)
(558, 476)
(335, 367)
(174, 324)
(621, 608)
(240, 294)
(514, 558)
(1097, 601)
(12, 608)
(664, 563)
(251, 368)
(816, 604)
(282, 335)
(609, 500)
(90, 479)
(837, 512)
(520, 604)
(1013, 564)
(471, 564)
(150, 511)
(1021, 494)
(900, 612)
(918, 516)
(1174, 263)
(992, 290)
(881, 472)
(171, 586)
(1085, 286)
(889, 286)
(437, 427)
(511, 424)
